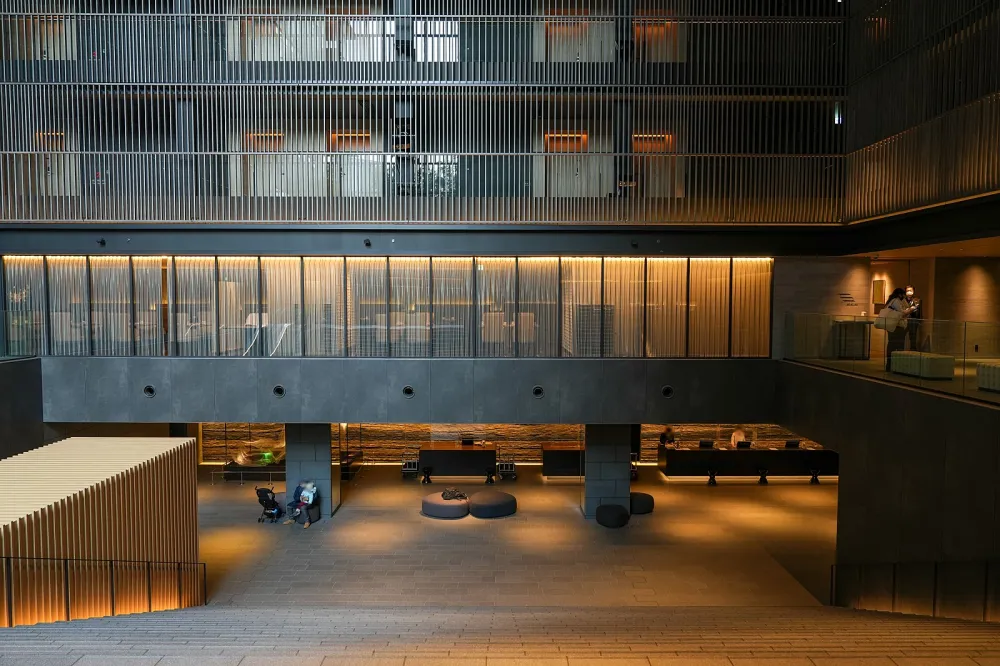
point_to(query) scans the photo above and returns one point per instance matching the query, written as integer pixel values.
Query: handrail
(23, 592)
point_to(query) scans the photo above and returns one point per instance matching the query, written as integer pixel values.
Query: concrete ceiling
(980, 247)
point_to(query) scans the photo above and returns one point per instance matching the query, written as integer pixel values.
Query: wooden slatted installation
(94, 526)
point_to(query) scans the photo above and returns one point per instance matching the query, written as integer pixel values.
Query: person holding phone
(913, 323)
(896, 336)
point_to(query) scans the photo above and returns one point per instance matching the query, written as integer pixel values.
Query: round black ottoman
(435, 506)
(612, 515)
(492, 504)
(641, 502)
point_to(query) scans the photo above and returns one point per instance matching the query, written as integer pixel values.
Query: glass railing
(957, 357)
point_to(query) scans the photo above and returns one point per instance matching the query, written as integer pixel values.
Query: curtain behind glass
(496, 298)
(581, 315)
(68, 311)
(24, 282)
(239, 323)
(538, 303)
(366, 306)
(148, 277)
(325, 307)
(708, 334)
(623, 293)
(410, 308)
(281, 278)
(666, 307)
(751, 307)
(110, 306)
(454, 315)
(194, 306)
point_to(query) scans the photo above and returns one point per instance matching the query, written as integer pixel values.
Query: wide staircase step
(805, 635)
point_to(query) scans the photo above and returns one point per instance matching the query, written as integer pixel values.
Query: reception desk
(562, 459)
(454, 459)
(748, 462)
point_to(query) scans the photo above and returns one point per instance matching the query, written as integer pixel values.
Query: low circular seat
(612, 515)
(492, 504)
(435, 506)
(641, 503)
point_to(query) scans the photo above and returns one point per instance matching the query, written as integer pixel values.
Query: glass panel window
(69, 316)
(538, 307)
(239, 297)
(708, 324)
(193, 303)
(496, 298)
(367, 326)
(325, 309)
(281, 329)
(581, 301)
(453, 306)
(751, 307)
(436, 41)
(666, 307)
(24, 282)
(409, 307)
(148, 278)
(623, 294)
(110, 305)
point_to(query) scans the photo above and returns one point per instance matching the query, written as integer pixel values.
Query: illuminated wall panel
(54, 526)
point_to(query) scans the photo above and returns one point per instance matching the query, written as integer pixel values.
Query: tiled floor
(714, 576)
(722, 546)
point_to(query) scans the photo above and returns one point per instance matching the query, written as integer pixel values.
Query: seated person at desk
(303, 498)
(737, 436)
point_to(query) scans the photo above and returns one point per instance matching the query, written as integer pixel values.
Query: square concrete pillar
(307, 456)
(607, 476)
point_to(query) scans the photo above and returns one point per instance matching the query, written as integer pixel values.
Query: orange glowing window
(652, 143)
(350, 142)
(51, 141)
(568, 25)
(566, 142)
(266, 142)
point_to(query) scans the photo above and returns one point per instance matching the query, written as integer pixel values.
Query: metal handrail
(100, 564)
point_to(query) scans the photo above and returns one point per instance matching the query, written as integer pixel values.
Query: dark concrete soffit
(947, 223)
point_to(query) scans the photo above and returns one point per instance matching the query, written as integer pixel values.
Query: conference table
(457, 459)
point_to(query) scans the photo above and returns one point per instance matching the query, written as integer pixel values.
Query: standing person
(913, 323)
(895, 327)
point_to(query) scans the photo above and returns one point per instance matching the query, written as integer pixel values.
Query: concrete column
(307, 456)
(607, 477)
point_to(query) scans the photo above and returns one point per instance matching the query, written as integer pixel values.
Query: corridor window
(436, 41)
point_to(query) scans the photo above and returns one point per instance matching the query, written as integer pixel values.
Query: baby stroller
(271, 509)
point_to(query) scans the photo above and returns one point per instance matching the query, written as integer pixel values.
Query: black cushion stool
(492, 504)
(641, 502)
(612, 515)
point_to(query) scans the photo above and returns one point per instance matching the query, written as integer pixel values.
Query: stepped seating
(988, 375)
(923, 364)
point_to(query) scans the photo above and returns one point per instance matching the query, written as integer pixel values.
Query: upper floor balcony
(957, 357)
(549, 46)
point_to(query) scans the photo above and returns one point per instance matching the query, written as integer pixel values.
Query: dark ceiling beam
(955, 222)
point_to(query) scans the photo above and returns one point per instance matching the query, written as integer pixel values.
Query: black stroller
(271, 509)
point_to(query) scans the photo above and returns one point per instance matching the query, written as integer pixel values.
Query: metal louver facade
(407, 112)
